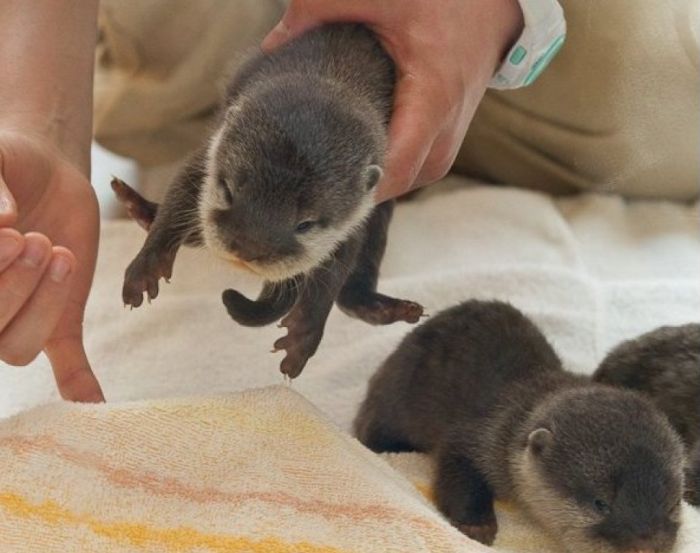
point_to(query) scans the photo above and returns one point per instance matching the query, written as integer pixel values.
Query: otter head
(601, 469)
(290, 175)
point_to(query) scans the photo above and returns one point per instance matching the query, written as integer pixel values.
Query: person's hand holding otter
(446, 55)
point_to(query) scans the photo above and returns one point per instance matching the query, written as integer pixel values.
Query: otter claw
(483, 533)
(143, 275)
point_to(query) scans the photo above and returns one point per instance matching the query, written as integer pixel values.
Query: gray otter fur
(664, 364)
(285, 187)
(479, 387)
(692, 476)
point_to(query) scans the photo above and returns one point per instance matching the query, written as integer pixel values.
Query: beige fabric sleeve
(618, 110)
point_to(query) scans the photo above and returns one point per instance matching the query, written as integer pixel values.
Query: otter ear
(539, 440)
(371, 176)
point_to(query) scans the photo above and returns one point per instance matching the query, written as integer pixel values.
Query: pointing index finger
(71, 369)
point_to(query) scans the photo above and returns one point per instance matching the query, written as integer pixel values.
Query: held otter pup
(285, 188)
(664, 364)
(479, 387)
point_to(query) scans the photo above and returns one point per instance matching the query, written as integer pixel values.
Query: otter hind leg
(358, 297)
(377, 436)
(139, 208)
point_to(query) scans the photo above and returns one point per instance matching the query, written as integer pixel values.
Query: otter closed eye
(305, 226)
(601, 506)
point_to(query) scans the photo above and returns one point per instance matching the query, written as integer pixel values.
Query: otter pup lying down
(480, 389)
(664, 364)
(285, 188)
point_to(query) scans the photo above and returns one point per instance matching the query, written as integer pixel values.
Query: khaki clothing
(161, 66)
(618, 110)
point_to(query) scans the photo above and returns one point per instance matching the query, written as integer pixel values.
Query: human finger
(71, 369)
(11, 244)
(439, 160)
(19, 280)
(25, 336)
(412, 132)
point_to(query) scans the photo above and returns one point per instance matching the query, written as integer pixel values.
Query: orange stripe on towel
(171, 487)
(141, 535)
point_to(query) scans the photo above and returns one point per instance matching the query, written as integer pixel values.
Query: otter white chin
(285, 185)
(480, 389)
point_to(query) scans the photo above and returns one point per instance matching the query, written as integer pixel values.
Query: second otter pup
(479, 387)
(664, 364)
(285, 188)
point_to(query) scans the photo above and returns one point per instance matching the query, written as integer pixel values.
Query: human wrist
(55, 130)
(539, 42)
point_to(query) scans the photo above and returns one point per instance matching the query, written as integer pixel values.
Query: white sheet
(590, 270)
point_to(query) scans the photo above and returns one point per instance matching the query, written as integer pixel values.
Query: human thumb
(276, 37)
(299, 18)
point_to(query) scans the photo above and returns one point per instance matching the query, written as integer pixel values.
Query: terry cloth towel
(260, 471)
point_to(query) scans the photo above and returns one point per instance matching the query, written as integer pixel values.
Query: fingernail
(59, 269)
(277, 36)
(34, 253)
(9, 245)
(281, 29)
(5, 205)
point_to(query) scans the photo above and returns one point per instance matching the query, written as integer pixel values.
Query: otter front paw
(143, 274)
(483, 533)
(378, 309)
(300, 343)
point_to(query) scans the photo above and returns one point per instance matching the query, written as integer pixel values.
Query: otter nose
(247, 251)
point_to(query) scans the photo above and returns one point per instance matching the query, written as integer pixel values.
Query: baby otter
(664, 364)
(479, 387)
(285, 188)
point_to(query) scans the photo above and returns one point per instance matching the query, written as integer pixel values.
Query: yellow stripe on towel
(141, 535)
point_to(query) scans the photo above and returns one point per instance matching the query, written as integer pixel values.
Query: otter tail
(274, 301)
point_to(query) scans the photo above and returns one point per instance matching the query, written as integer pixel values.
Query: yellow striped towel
(261, 472)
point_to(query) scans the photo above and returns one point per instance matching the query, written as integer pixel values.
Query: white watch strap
(542, 37)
